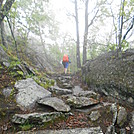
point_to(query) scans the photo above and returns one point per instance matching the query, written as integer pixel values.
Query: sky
(64, 10)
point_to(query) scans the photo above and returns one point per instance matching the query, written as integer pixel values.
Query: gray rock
(3, 56)
(114, 111)
(67, 85)
(132, 121)
(35, 118)
(94, 115)
(102, 73)
(93, 130)
(122, 116)
(130, 100)
(7, 91)
(60, 91)
(79, 102)
(29, 92)
(56, 103)
(7, 64)
(77, 90)
(123, 131)
(111, 130)
(65, 77)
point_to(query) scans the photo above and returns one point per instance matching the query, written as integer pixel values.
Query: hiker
(65, 62)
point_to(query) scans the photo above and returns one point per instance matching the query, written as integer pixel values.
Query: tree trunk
(2, 30)
(4, 11)
(120, 25)
(3, 35)
(16, 47)
(85, 33)
(77, 34)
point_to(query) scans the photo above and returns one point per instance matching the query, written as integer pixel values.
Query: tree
(87, 25)
(77, 35)
(125, 21)
(5, 9)
(2, 29)
(121, 23)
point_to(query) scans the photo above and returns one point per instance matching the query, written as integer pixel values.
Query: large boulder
(29, 92)
(111, 74)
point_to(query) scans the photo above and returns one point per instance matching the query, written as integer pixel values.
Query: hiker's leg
(65, 70)
(67, 66)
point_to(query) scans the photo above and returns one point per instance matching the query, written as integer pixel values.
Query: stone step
(93, 130)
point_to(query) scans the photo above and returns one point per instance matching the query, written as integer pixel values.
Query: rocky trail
(68, 107)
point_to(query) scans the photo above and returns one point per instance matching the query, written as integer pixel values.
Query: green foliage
(124, 45)
(20, 73)
(14, 63)
(3, 47)
(12, 92)
(26, 127)
(112, 47)
(13, 12)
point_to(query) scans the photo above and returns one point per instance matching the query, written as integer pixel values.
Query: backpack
(65, 58)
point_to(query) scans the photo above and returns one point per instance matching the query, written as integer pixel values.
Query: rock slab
(29, 92)
(55, 103)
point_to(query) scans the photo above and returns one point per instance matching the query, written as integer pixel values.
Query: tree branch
(93, 18)
(124, 37)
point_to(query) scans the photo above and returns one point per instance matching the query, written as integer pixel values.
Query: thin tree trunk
(3, 35)
(121, 25)
(2, 30)
(16, 47)
(85, 33)
(77, 34)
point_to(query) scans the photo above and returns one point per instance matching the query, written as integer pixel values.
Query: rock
(122, 131)
(65, 77)
(7, 64)
(122, 116)
(92, 130)
(111, 75)
(35, 118)
(67, 85)
(29, 92)
(132, 121)
(111, 130)
(94, 115)
(114, 111)
(3, 56)
(79, 102)
(7, 91)
(56, 103)
(60, 91)
(130, 100)
(64, 82)
(77, 90)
